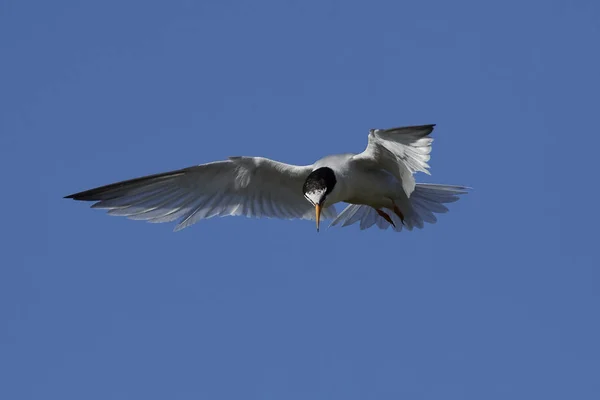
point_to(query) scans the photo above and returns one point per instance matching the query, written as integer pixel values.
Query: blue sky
(498, 300)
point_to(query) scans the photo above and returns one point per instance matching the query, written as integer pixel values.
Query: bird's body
(359, 184)
(377, 183)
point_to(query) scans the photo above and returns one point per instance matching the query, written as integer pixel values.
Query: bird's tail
(426, 201)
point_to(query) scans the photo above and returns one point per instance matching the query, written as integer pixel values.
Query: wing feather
(249, 186)
(400, 151)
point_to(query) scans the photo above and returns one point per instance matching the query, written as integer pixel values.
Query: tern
(378, 184)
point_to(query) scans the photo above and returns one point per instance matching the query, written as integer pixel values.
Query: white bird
(378, 183)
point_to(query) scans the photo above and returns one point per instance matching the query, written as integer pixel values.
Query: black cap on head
(319, 184)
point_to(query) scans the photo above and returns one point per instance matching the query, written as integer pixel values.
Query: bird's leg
(386, 217)
(398, 212)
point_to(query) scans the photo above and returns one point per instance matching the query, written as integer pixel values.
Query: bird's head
(317, 186)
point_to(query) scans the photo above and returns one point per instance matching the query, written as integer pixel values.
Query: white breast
(358, 185)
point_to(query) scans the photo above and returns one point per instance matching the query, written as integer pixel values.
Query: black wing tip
(88, 195)
(76, 196)
(429, 127)
(426, 126)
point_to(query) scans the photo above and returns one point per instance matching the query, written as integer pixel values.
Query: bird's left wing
(400, 151)
(249, 186)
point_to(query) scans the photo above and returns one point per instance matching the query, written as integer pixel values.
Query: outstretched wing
(400, 151)
(249, 186)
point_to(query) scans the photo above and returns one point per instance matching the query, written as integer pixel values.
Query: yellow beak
(318, 211)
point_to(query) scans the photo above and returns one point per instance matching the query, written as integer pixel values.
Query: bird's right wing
(249, 186)
(400, 151)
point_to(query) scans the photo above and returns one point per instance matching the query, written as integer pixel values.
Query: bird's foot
(386, 217)
(399, 213)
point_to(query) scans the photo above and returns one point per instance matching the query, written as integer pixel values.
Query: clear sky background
(499, 300)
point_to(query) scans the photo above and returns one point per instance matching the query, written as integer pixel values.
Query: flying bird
(378, 184)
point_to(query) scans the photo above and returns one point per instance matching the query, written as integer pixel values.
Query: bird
(378, 185)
